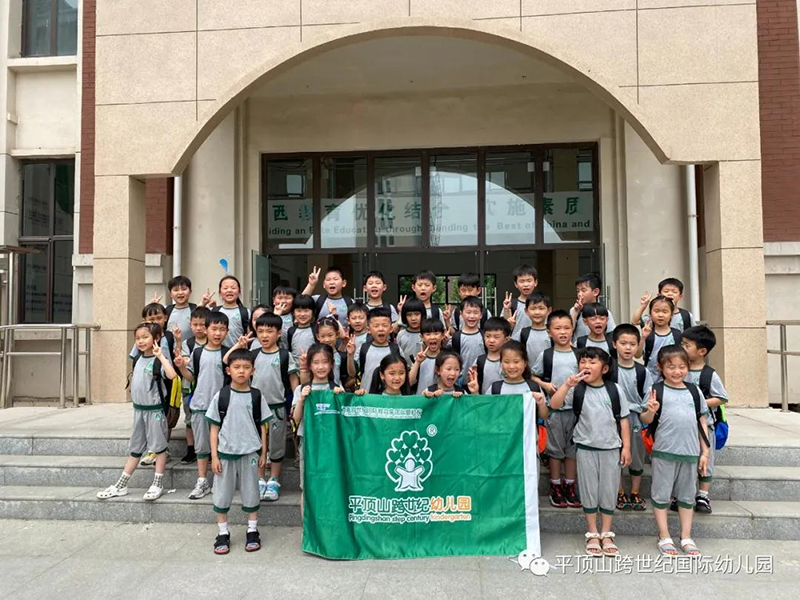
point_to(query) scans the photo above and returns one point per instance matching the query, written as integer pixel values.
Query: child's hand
(156, 299)
(360, 392)
(216, 465)
(332, 309)
(702, 465)
(625, 457)
(512, 320)
(157, 351)
(244, 341)
(456, 394)
(507, 301)
(421, 355)
(280, 308)
(652, 403)
(574, 380)
(647, 329)
(472, 380)
(549, 388)
(645, 299)
(351, 345)
(313, 277)
(208, 298)
(539, 399)
(305, 391)
(303, 362)
(446, 313)
(401, 302)
(262, 460)
(181, 361)
(177, 333)
(578, 306)
(338, 390)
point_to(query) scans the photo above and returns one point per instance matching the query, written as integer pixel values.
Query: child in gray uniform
(423, 371)
(468, 341)
(409, 337)
(238, 315)
(602, 436)
(237, 418)
(536, 339)
(589, 289)
(149, 394)
(300, 337)
(676, 412)
(487, 367)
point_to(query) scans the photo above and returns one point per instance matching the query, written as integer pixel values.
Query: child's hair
(658, 299)
(412, 305)
(591, 279)
(592, 352)
(469, 280)
(594, 309)
(284, 289)
(519, 349)
(671, 351)
(326, 321)
(472, 301)
(444, 355)
(317, 348)
(424, 276)
(372, 274)
(201, 312)
(263, 307)
(383, 311)
(153, 328)
(522, 270)
(217, 316)
(179, 281)
(153, 309)
(557, 314)
(270, 320)
(358, 307)
(538, 298)
(334, 269)
(232, 278)
(702, 337)
(376, 385)
(303, 301)
(626, 329)
(431, 325)
(670, 281)
(497, 324)
(240, 354)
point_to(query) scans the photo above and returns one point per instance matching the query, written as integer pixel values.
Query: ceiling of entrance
(410, 64)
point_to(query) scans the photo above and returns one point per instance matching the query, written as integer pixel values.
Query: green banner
(415, 477)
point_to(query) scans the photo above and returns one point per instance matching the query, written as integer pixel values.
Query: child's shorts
(202, 439)
(598, 479)
(149, 432)
(560, 425)
(673, 478)
(277, 433)
(245, 469)
(637, 445)
(709, 476)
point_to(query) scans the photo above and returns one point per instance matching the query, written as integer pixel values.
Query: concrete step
(758, 456)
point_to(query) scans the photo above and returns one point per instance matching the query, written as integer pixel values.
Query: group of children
(245, 377)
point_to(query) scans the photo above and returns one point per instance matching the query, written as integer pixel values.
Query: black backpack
(706, 375)
(695, 392)
(457, 318)
(436, 313)
(243, 314)
(171, 307)
(323, 298)
(525, 335)
(196, 363)
(480, 363)
(613, 394)
(170, 337)
(547, 363)
(514, 306)
(362, 355)
(581, 342)
(641, 375)
(650, 343)
(456, 388)
(455, 342)
(686, 318)
(343, 373)
(158, 379)
(497, 386)
(225, 401)
(283, 357)
(290, 335)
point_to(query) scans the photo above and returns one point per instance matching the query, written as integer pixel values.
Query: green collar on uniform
(672, 387)
(597, 387)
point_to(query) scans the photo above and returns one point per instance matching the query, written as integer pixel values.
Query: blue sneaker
(273, 490)
(262, 487)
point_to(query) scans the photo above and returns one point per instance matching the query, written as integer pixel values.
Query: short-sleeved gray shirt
(426, 375)
(492, 371)
(302, 340)
(182, 317)
(717, 389)
(626, 378)
(186, 384)
(339, 303)
(602, 344)
(582, 329)
(360, 339)
(267, 376)
(408, 342)
(392, 308)
(471, 348)
(564, 365)
(597, 428)
(659, 341)
(515, 388)
(372, 360)
(538, 341)
(210, 379)
(429, 311)
(235, 325)
(522, 320)
(144, 391)
(677, 433)
(238, 435)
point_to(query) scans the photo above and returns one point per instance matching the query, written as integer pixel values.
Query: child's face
(661, 313)
(198, 325)
(303, 316)
(537, 313)
(672, 292)
(513, 364)
(674, 369)
(597, 324)
(494, 340)
(423, 289)
(449, 372)
(327, 334)
(268, 336)
(560, 331)
(586, 293)
(464, 291)
(593, 368)
(254, 317)
(144, 340)
(216, 332)
(180, 294)
(379, 328)
(240, 371)
(320, 366)
(693, 350)
(471, 316)
(357, 321)
(433, 340)
(626, 346)
(229, 291)
(414, 320)
(526, 284)
(333, 284)
(394, 377)
(159, 317)
(375, 288)
(282, 298)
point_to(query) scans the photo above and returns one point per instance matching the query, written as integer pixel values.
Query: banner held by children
(416, 477)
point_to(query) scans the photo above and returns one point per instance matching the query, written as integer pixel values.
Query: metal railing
(7, 333)
(784, 354)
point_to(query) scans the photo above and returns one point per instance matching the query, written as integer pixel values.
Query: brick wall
(86, 224)
(158, 193)
(779, 96)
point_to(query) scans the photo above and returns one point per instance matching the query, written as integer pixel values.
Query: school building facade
(640, 139)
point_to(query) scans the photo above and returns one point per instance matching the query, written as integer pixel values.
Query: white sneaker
(112, 491)
(153, 493)
(273, 491)
(200, 489)
(148, 459)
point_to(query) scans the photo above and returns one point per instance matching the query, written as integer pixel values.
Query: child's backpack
(323, 298)
(244, 315)
(721, 427)
(457, 318)
(225, 401)
(613, 394)
(171, 307)
(343, 374)
(547, 363)
(525, 334)
(650, 343)
(455, 342)
(362, 355)
(480, 365)
(541, 430)
(283, 357)
(198, 351)
(641, 376)
(582, 341)
(686, 318)
(436, 313)
(649, 433)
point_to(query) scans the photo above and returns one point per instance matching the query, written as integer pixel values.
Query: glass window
(34, 285)
(62, 281)
(50, 28)
(67, 37)
(344, 202)
(568, 203)
(290, 214)
(398, 201)
(37, 181)
(64, 199)
(454, 200)
(510, 212)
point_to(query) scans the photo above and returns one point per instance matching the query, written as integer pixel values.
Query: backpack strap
(244, 315)
(362, 356)
(191, 343)
(514, 306)
(533, 386)
(168, 310)
(480, 363)
(283, 356)
(455, 342)
(170, 337)
(686, 318)
(612, 352)
(255, 396)
(290, 335)
(320, 303)
(223, 403)
(457, 318)
(343, 374)
(158, 379)
(696, 396)
(580, 343)
(547, 364)
(578, 392)
(524, 335)
(436, 313)
(432, 387)
(706, 375)
(484, 317)
(196, 361)
(497, 388)
(641, 377)
(616, 404)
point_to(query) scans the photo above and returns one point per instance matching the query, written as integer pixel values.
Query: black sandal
(253, 542)
(222, 545)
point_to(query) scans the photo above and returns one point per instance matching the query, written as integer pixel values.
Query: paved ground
(65, 560)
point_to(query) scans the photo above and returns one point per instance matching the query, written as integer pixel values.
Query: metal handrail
(7, 333)
(784, 353)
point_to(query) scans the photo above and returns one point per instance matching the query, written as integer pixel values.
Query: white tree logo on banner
(408, 462)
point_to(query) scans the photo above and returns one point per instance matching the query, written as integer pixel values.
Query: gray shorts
(202, 439)
(559, 427)
(187, 414)
(598, 479)
(637, 445)
(149, 432)
(276, 431)
(711, 451)
(301, 456)
(245, 469)
(673, 479)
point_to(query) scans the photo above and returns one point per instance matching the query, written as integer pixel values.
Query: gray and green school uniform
(561, 421)
(341, 308)
(522, 321)
(149, 424)
(238, 448)
(717, 391)
(520, 387)
(207, 384)
(676, 449)
(182, 317)
(492, 371)
(301, 426)
(538, 341)
(626, 379)
(288, 323)
(598, 445)
(235, 326)
(361, 338)
(392, 308)
(186, 385)
(582, 329)
(426, 374)
(302, 340)
(372, 361)
(602, 344)
(267, 378)
(659, 341)
(471, 348)
(408, 342)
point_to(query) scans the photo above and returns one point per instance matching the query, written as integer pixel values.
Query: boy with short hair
(374, 289)
(300, 336)
(205, 367)
(635, 381)
(698, 341)
(409, 337)
(525, 280)
(357, 323)
(551, 369)
(671, 288)
(469, 285)
(422, 374)
(588, 288)
(535, 337)
(179, 313)
(379, 325)
(603, 440)
(237, 416)
(424, 285)
(468, 341)
(332, 301)
(487, 367)
(282, 304)
(595, 317)
(198, 339)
